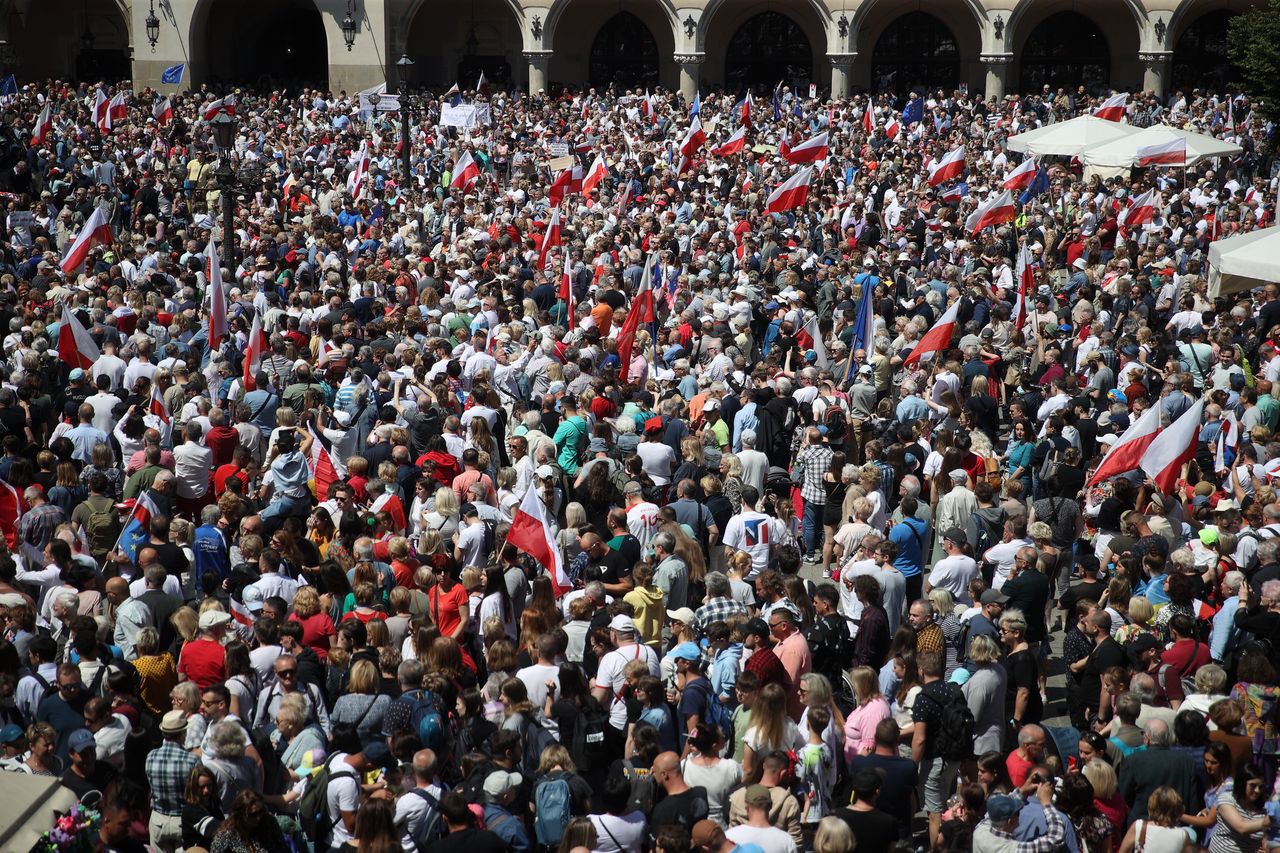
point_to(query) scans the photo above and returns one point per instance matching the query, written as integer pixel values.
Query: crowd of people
(275, 575)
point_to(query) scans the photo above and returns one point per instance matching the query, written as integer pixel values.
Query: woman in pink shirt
(860, 725)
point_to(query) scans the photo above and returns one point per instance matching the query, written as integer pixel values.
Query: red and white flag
(597, 173)
(1126, 454)
(745, 115)
(44, 123)
(101, 114)
(157, 406)
(229, 105)
(465, 172)
(566, 183)
(531, 533)
(117, 108)
(162, 111)
(1112, 109)
(950, 167)
(893, 129)
(811, 150)
(641, 311)
(1142, 209)
(647, 107)
(693, 140)
(11, 510)
(1170, 153)
(994, 211)
(96, 230)
(734, 144)
(550, 238)
(217, 298)
(360, 168)
(1022, 176)
(323, 469)
(211, 109)
(253, 352)
(937, 339)
(1024, 275)
(868, 119)
(791, 193)
(1172, 448)
(75, 346)
(566, 289)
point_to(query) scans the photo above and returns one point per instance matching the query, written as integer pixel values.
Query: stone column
(1155, 71)
(996, 66)
(538, 61)
(841, 71)
(690, 73)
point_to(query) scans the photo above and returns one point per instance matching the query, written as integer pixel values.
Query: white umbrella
(1069, 138)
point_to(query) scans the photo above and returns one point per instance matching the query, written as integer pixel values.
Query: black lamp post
(153, 27)
(404, 63)
(224, 131)
(349, 27)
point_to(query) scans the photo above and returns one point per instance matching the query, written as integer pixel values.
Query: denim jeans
(284, 506)
(813, 532)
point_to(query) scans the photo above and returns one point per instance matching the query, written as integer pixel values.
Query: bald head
(666, 762)
(117, 586)
(424, 765)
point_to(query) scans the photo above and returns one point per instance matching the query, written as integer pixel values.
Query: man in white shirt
(543, 672)
(104, 404)
(609, 680)
(343, 795)
(755, 465)
(954, 571)
(192, 462)
(753, 532)
(1002, 555)
(470, 549)
(418, 809)
(642, 516)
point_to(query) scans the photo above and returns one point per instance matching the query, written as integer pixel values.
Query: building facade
(841, 46)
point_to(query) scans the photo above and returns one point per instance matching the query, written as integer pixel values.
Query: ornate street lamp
(404, 63)
(153, 27)
(224, 131)
(349, 26)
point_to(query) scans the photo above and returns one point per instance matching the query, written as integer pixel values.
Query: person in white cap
(500, 788)
(204, 660)
(607, 687)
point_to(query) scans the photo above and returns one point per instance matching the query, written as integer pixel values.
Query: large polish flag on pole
(75, 346)
(998, 210)
(1112, 109)
(217, 298)
(950, 167)
(1022, 176)
(531, 533)
(792, 192)
(936, 339)
(1127, 452)
(811, 150)
(1173, 448)
(96, 230)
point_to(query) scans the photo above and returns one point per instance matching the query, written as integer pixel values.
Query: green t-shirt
(569, 438)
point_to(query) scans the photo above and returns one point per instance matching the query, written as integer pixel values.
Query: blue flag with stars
(1038, 186)
(173, 74)
(9, 86)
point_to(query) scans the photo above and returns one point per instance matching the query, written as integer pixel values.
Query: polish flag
(1171, 153)
(566, 288)
(44, 122)
(217, 298)
(566, 183)
(157, 406)
(733, 145)
(531, 533)
(96, 230)
(868, 119)
(1172, 448)
(1024, 275)
(323, 471)
(465, 172)
(1022, 176)
(1126, 454)
(229, 105)
(745, 115)
(253, 352)
(993, 212)
(1227, 447)
(101, 114)
(597, 173)
(550, 238)
(641, 312)
(810, 151)
(1141, 210)
(482, 85)
(214, 107)
(10, 511)
(693, 140)
(355, 180)
(791, 193)
(75, 347)
(118, 109)
(937, 339)
(893, 129)
(163, 111)
(623, 198)
(1113, 108)
(950, 167)
(647, 108)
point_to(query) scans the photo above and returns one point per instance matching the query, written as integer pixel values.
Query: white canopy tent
(1069, 138)
(1244, 262)
(1110, 158)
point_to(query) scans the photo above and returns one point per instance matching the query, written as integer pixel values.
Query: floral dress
(1258, 703)
(816, 776)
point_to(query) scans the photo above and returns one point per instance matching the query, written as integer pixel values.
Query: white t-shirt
(343, 795)
(755, 533)
(471, 542)
(953, 574)
(535, 680)
(615, 834)
(792, 740)
(1002, 555)
(659, 461)
(642, 521)
(769, 838)
(610, 675)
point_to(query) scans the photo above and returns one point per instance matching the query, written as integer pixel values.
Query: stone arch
(89, 41)
(571, 37)
(259, 42)
(722, 22)
(451, 41)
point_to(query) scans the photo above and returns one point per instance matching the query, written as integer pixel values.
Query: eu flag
(777, 107)
(8, 86)
(1038, 186)
(913, 112)
(173, 74)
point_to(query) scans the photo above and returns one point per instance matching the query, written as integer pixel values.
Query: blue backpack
(552, 799)
(425, 719)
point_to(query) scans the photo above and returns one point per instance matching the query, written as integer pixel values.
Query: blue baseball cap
(687, 651)
(80, 740)
(11, 733)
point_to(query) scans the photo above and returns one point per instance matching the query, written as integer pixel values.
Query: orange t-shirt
(602, 316)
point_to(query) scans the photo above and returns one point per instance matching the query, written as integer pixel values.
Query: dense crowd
(592, 502)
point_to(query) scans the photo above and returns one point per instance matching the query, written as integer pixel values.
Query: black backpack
(953, 740)
(835, 421)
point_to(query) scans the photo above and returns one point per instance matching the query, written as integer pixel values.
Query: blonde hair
(555, 756)
(833, 836)
(1014, 620)
(470, 579)
(575, 516)
(1102, 776)
(185, 621)
(866, 686)
(446, 502)
(363, 677)
(983, 649)
(769, 717)
(306, 602)
(1141, 610)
